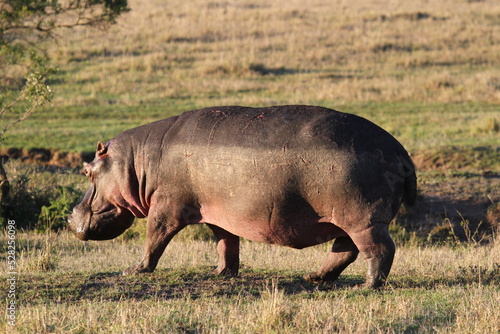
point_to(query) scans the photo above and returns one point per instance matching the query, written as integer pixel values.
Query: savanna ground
(428, 72)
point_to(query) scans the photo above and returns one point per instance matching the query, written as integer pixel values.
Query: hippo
(294, 176)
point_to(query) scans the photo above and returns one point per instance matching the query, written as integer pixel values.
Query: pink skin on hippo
(294, 176)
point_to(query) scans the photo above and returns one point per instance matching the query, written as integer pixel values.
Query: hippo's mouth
(79, 220)
(96, 219)
(79, 223)
(104, 225)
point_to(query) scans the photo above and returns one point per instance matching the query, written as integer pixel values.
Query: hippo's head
(103, 212)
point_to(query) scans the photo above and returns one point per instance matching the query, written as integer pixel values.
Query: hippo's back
(281, 127)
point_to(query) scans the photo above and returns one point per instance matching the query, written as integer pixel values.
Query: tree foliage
(24, 65)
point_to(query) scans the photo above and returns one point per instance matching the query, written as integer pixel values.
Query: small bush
(23, 203)
(35, 201)
(55, 214)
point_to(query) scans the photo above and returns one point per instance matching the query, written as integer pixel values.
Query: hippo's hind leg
(228, 247)
(378, 249)
(343, 253)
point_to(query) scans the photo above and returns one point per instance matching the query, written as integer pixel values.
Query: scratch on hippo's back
(212, 132)
(220, 116)
(162, 144)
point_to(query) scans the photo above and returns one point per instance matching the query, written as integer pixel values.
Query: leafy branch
(35, 91)
(24, 24)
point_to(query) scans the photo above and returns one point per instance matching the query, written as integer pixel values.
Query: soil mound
(51, 157)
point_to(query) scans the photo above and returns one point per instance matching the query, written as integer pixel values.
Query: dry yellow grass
(431, 289)
(266, 52)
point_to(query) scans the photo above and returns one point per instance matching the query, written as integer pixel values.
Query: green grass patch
(417, 126)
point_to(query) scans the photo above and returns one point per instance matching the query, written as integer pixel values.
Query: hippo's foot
(137, 269)
(369, 287)
(228, 272)
(320, 278)
(373, 284)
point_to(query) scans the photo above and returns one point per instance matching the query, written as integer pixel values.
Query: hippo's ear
(101, 148)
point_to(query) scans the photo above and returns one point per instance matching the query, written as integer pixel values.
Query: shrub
(39, 199)
(23, 203)
(55, 214)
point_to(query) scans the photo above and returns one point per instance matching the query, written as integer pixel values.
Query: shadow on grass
(165, 284)
(196, 283)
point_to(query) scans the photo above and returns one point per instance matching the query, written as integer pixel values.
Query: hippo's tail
(410, 182)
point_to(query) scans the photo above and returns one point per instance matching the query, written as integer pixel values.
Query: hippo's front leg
(161, 228)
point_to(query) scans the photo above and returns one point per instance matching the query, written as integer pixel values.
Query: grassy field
(428, 72)
(67, 286)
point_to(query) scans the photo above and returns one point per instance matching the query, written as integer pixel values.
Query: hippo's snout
(89, 225)
(79, 224)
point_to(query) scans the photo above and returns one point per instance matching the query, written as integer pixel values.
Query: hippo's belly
(280, 228)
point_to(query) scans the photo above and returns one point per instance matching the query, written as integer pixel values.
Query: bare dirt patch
(459, 191)
(458, 206)
(47, 157)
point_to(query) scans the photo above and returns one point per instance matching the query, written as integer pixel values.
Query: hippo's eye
(87, 171)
